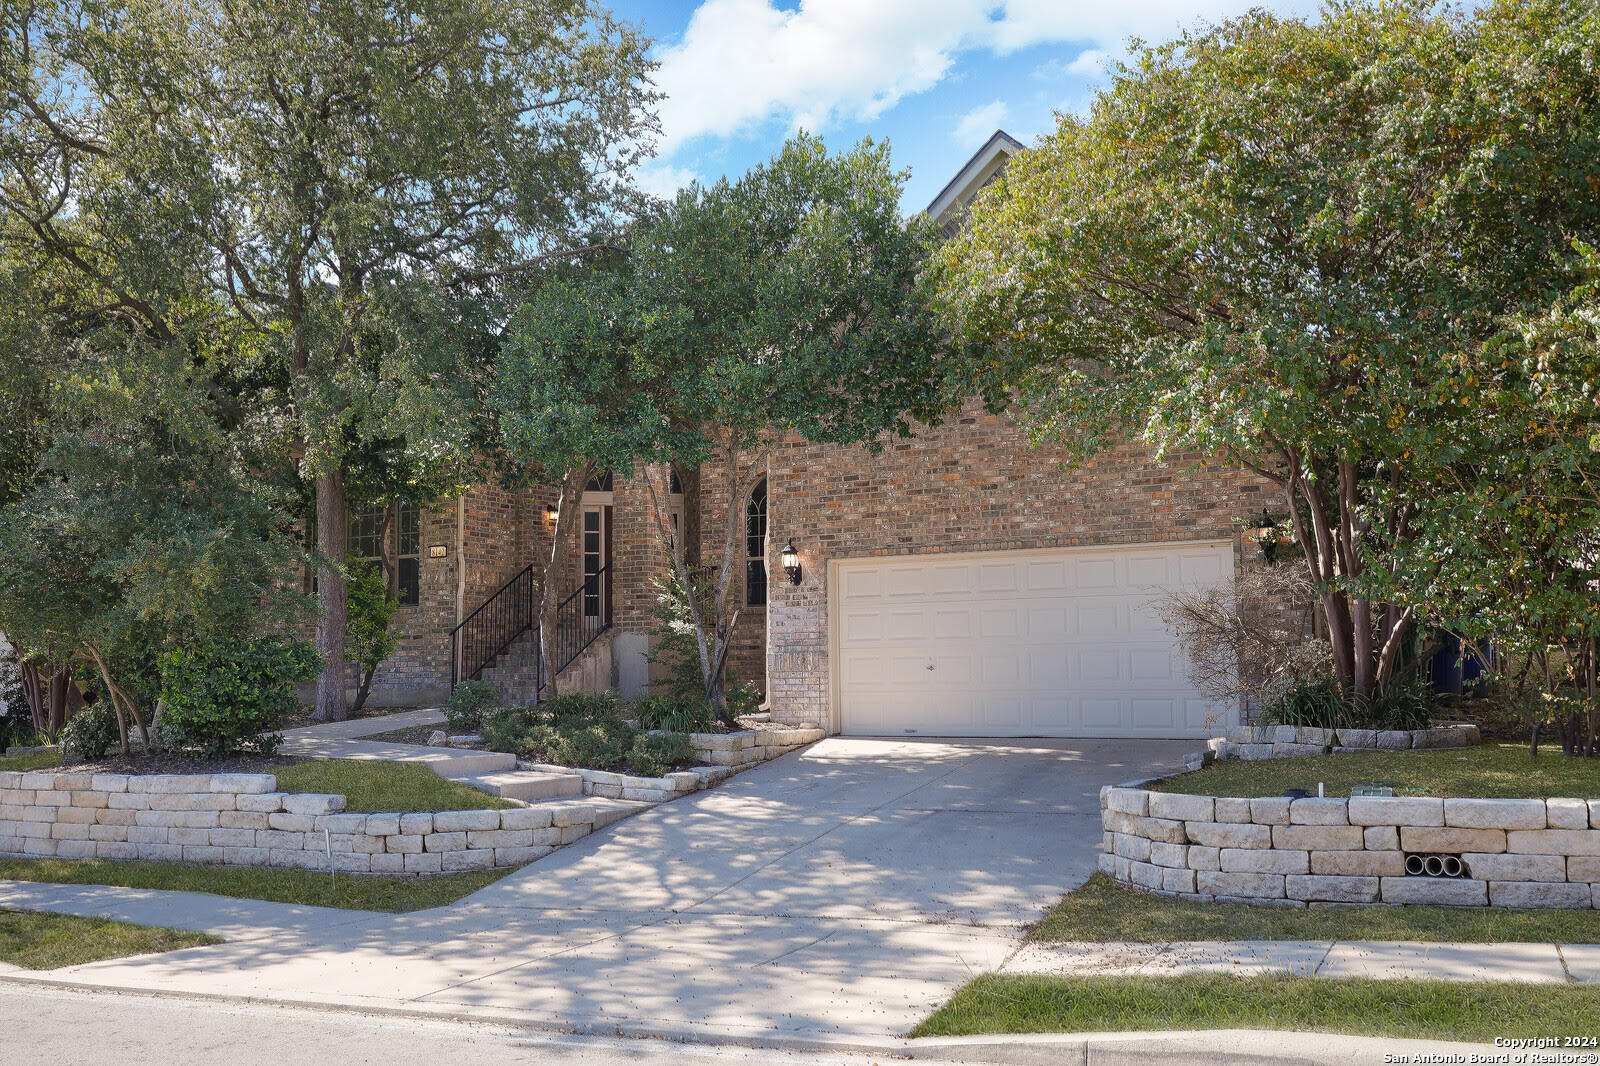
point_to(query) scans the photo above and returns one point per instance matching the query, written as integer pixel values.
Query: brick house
(958, 583)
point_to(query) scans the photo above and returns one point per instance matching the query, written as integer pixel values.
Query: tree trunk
(52, 699)
(333, 532)
(367, 674)
(561, 541)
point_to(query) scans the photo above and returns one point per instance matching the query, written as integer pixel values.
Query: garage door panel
(1147, 570)
(1047, 668)
(995, 623)
(1102, 713)
(1002, 713)
(998, 577)
(1098, 572)
(907, 669)
(1021, 644)
(1047, 623)
(1046, 576)
(1198, 570)
(1146, 665)
(950, 580)
(861, 583)
(1098, 619)
(1099, 665)
(863, 627)
(1052, 715)
(905, 625)
(1002, 669)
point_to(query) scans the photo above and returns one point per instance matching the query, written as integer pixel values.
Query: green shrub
(1313, 701)
(91, 733)
(574, 730)
(580, 708)
(223, 699)
(504, 728)
(673, 711)
(1404, 703)
(370, 633)
(743, 697)
(469, 706)
(654, 754)
(597, 746)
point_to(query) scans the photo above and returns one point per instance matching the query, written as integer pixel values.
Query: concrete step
(606, 811)
(525, 785)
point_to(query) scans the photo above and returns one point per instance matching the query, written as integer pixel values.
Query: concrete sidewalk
(1532, 963)
(356, 728)
(345, 740)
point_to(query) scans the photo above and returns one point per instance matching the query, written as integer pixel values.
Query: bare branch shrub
(1240, 637)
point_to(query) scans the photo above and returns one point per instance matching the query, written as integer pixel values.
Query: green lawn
(39, 760)
(351, 891)
(1424, 1010)
(1489, 770)
(365, 785)
(370, 785)
(1102, 910)
(38, 941)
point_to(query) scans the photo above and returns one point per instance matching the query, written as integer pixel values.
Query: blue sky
(934, 77)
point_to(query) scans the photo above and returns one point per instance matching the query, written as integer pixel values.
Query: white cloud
(742, 63)
(662, 179)
(976, 125)
(1091, 63)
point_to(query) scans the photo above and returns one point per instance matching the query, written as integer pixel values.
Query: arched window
(755, 546)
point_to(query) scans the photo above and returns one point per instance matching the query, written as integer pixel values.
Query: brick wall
(974, 484)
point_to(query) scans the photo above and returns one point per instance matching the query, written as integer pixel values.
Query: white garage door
(1006, 644)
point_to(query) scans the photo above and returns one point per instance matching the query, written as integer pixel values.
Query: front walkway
(840, 893)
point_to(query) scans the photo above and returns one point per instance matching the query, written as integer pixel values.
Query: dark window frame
(755, 546)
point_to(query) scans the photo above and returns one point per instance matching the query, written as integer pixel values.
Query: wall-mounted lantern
(550, 513)
(790, 558)
(1268, 535)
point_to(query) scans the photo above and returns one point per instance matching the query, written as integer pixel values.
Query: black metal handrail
(576, 628)
(490, 629)
(510, 612)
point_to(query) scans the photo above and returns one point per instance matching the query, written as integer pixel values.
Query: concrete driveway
(839, 893)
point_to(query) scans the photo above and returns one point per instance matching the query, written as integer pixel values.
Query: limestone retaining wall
(1288, 741)
(241, 820)
(750, 746)
(1516, 852)
(725, 753)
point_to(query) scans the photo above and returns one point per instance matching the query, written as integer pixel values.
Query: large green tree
(1513, 537)
(783, 303)
(330, 179)
(146, 528)
(573, 396)
(1269, 241)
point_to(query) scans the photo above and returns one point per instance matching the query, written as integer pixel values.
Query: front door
(596, 558)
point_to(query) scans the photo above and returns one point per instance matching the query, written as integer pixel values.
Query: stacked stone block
(1517, 852)
(1287, 741)
(242, 820)
(725, 754)
(751, 746)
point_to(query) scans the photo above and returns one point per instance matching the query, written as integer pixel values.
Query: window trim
(752, 561)
(391, 514)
